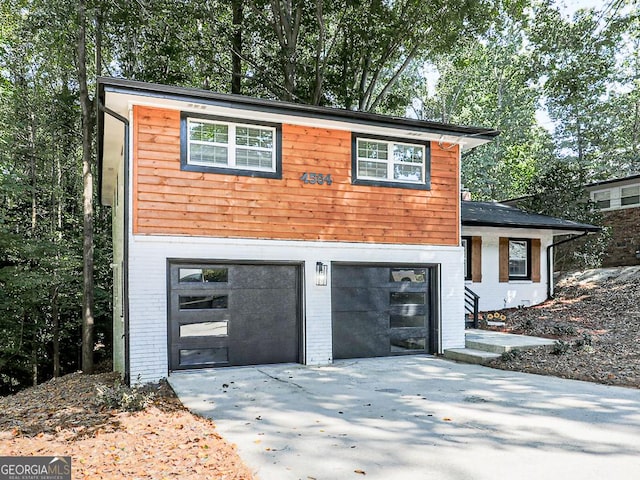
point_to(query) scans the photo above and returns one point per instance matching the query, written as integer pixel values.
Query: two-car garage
(223, 314)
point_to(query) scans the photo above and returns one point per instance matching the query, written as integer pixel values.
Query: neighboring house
(619, 201)
(249, 231)
(507, 252)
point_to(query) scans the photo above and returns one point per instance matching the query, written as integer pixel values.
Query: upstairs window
(390, 162)
(216, 145)
(630, 195)
(602, 199)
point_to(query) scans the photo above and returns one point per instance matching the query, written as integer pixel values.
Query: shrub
(510, 355)
(560, 347)
(122, 397)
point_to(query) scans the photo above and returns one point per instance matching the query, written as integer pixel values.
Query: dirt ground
(595, 318)
(64, 417)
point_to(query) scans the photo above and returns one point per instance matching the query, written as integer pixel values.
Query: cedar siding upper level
(168, 200)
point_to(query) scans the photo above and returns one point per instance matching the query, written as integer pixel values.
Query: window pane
(402, 298)
(208, 132)
(417, 275)
(204, 329)
(254, 158)
(204, 356)
(207, 154)
(254, 137)
(407, 172)
(408, 153)
(630, 195)
(401, 321)
(408, 344)
(203, 275)
(203, 302)
(372, 169)
(373, 150)
(518, 258)
(602, 199)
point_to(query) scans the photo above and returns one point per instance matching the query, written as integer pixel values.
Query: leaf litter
(62, 417)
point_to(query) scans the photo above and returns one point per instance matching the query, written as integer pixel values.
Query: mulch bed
(63, 417)
(596, 323)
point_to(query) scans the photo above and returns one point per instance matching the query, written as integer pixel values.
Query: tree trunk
(55, 320)
(236, 47)
(87, 197)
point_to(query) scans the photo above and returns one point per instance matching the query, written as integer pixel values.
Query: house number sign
(317, 178)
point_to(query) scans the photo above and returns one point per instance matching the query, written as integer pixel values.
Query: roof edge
(105, 84)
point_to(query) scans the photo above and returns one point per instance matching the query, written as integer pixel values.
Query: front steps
(483, 346)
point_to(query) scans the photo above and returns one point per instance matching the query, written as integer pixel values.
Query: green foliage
(559, 191)
(560, 347)
(122, 397)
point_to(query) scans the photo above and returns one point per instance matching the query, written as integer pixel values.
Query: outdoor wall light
(321, 274)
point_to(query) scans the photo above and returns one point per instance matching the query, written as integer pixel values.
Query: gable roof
(494, 214)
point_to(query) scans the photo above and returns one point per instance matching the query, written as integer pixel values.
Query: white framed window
(225, 146)
(390, 162)
(630, 195)
(519, 259)
(602, 199)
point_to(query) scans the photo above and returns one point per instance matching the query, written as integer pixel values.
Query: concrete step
(498, 342)
(469, 355)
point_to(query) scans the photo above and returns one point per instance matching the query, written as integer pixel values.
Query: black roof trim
(120, 85)
(493, 214)
(613, 180)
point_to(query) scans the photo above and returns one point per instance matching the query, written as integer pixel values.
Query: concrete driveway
(417, 417)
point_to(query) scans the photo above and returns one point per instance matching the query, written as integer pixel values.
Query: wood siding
(169, 201)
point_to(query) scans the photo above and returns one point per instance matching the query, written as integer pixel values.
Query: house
(509, 252)
(619, 202)
(249, 231)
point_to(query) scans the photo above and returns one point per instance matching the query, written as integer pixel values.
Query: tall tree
(88, 320)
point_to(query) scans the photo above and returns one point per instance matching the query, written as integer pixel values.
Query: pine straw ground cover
(68, 417)
(595, 318)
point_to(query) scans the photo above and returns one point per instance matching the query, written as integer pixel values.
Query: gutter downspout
(550, 290)
(125, 248)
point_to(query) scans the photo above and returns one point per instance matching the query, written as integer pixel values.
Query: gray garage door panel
(222, 315)
(380, 310)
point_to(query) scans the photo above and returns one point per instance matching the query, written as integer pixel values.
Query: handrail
(471, 303)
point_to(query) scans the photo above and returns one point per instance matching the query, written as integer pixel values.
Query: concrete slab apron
(417, 417)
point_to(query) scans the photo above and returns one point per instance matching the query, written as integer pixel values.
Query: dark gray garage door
(222, 315)
(380, 310)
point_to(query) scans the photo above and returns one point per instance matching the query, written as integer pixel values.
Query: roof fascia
(181, 94)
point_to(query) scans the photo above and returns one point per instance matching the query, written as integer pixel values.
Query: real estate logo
(35, 468)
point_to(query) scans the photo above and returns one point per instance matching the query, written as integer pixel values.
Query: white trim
(119, 102)
(390, 161)
(231, 146)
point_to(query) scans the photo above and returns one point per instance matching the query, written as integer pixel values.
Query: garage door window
(408, 344)
(204, 329)
(407, 321)
(204, 303)
(204, 356)
(203, 275)
(407, 298)
(413, 275)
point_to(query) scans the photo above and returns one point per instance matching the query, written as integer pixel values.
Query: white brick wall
(495, 295)
(148, 288)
